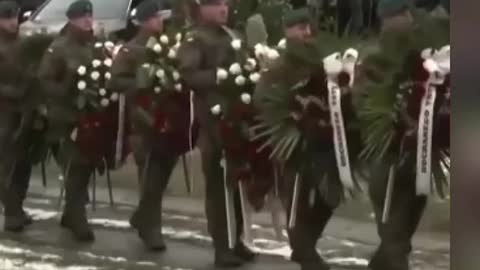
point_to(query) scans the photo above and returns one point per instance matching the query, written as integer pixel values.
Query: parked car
(111, 16)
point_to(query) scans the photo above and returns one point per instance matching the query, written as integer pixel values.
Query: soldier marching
(315, 179)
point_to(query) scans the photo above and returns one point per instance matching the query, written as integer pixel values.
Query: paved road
(45, 246)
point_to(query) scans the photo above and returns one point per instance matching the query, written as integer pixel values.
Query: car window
(102, 9)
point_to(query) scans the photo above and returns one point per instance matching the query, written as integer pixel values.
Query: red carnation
(419, 74)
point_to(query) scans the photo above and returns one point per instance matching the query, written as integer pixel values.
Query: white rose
(105, 102)
(157, 89)
(160, 73)
(251, 64)
(282, 44)
(246, 98)
(98, 45)
(272, 54)
(178, 37)
(81, 85)
(146, 65)
(260, 50)
(235, 69)
(172, 54)
(102, 92)
(114, 97)
(81, 70)
(177, 46)
(236, 44)
(157, 48)
(108, 76)
(96, 63)
(73, 136)
(108, 62)
(240, 80)
(176, 75)
(254, 77)
(95, 75)
(178, 87)
(216, 110)
(164, 39)
(222, 74)
(110, 45)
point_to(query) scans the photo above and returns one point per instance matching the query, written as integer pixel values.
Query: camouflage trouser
(350, 16)
(154, 170)
(319, 195)
(405, 213)
(215, 195)
(78, 171)
(15, 166)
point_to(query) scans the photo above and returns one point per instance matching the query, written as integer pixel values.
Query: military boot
(17, 223)
(320, 265)
(152, 237)
(244, 252)
(78, 225)
(227, 259)
(75, 215)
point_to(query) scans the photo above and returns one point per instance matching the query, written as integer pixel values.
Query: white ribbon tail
(276, 210)
(339, 137)
(388, 195)
(247, 215)
(120, 131)
(424, 142)
(276, 207)
(187, 175)
(229, 207)
(296, 196)
(190, 140)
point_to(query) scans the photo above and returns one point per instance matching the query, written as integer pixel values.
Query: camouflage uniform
(406, 207)
(57, 72)
(320, 191)
(15, 166)
(155, 160)
(207, 48)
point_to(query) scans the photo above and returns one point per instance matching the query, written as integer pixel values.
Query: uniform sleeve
(196, 77)
(10, 89)
(52, 73)
(124, 72)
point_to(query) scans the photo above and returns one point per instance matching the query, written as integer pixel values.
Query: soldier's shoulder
(58, 45)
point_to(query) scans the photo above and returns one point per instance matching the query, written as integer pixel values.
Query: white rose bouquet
(92, 78)
(159, 72)
(162, 102)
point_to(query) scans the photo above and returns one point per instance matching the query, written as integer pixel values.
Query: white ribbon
(334, 64)
(437, 63)
(190, 138)
(339, 138)
(229, 206)
(120, 131)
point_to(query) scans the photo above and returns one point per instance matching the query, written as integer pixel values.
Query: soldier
(406, 207)
(154, 159)
(208, 48)
(350, 17)
(15, 167)
(319, 189)
(297, 25)
(57, 72)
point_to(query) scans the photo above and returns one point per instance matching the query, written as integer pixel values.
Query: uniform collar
(143, 36)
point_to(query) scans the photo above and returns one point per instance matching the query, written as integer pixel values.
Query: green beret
(296, 16)
(150, 8)
(390, 8)
(8, 9)
(79, 8)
